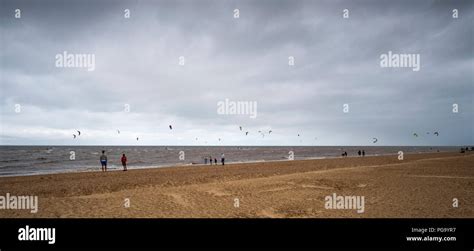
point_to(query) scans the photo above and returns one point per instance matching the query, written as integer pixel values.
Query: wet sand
(421, 186)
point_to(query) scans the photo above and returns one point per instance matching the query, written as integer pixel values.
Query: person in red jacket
(124, 162)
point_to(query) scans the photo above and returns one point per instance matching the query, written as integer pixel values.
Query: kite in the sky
(436, 133)
(171, 128)
(246, 133)
(137, 138)
(240, 128)
(375, 140)
(79, 132)
(74, 135)
(269, 131)
(118, 131)
(415, 134)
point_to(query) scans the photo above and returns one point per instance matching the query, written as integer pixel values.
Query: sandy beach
(421, 186)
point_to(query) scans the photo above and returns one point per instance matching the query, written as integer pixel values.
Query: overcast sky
(337, 62)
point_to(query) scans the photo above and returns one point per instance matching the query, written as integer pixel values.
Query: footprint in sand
(270, 213)
(178, 198)
(276, 189)
(218, 193)
(317, 187)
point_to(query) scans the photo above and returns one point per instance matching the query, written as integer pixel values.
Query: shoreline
(118, 167)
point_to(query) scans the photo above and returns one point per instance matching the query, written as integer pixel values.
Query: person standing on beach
(205, 160)
(103, 161)
(359, 153)
(363, 153)
(124, 162)
(215, 161)
(222, 158)
(210, 160)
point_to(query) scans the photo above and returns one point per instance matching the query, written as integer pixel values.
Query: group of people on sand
(361, 153)
(463, 150)
(215, 160)
(103, 161)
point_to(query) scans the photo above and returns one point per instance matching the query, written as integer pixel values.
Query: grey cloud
(337, 62)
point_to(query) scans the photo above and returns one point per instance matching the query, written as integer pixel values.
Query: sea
(33, 160)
